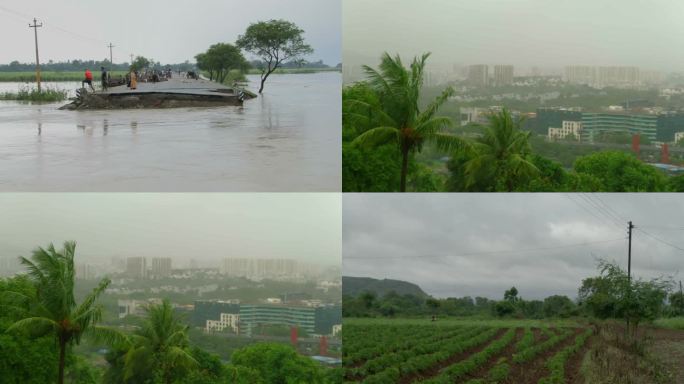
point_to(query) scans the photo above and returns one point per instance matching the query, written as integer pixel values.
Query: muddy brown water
(288, 139)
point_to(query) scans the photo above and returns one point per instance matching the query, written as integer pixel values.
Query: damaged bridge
(174, 92)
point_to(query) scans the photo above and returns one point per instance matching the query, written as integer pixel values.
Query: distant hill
(354, 286)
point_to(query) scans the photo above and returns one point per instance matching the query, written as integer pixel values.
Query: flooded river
(286, 140)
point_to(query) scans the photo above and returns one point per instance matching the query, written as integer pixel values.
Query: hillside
(353, 286)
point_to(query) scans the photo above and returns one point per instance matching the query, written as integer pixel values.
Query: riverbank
(48, 95)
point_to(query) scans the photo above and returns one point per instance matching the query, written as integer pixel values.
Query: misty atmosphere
(527, 33)
(481, 244)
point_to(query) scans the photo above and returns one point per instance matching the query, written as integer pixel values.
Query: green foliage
(613, 295)
(385, 110)
(53, 309)
(140, 63)
(278, 364)
(621, 172)
(220, 59)
(559, 306)
(274, 42)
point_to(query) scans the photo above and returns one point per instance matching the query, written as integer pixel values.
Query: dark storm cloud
(482, 244)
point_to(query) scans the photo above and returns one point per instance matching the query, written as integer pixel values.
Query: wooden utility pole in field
(111, 60)
(35, 27)
(629, 254)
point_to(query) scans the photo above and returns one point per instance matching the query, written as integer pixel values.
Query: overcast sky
(167, 31)
(520, 32)
(480, 244)
(201, 226)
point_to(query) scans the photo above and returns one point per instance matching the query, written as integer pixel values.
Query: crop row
(390, 359)
(534, 350)
(421, 363)
(460, 369)
(397, 342)
(556, 364)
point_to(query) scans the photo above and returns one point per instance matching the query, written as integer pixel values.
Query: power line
(490, 252)
(617, 222)
(659, 239)
(598, 197)
(589, 211)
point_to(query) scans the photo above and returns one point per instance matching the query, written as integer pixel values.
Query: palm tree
(162, 342)
(54, 309)
(501, 154)
(399, 118)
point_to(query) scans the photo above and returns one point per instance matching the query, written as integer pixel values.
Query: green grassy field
(284, 71)
(25, 94)
(671, 323)
(50, 76)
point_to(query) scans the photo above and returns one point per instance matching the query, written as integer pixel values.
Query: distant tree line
(81, 65)
(608, 296)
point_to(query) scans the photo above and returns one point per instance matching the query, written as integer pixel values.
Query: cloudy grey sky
(168, 31)
(482, 244)
(201, 226)
(520, 32)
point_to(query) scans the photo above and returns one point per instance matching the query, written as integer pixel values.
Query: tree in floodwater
(614, 295)
(274, 42)
(140, 63)
(400, 120)
(220, 59)
(54, 310)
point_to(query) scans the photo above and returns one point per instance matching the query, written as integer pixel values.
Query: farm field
(53, 75)
(474, 351)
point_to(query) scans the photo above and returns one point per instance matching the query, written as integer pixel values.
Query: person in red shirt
(88, 79)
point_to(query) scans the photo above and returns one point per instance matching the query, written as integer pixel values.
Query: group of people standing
(131, 79)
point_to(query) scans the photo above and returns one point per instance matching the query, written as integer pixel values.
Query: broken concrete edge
(139, 100)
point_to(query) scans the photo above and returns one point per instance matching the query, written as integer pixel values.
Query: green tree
(23, 360)
(277, 364)
(220, 59)
(140, 63)
(558, 306)
(511, 295)
(397, 113)
(274, 42)
(621, 172)
(55, 311)
(502, 155)
(161, 345)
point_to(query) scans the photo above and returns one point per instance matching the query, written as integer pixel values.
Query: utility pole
(35, 27)
(629, 254)
(131, 58)
(111, 60)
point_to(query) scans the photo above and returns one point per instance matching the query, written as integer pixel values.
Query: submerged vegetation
(32, 94)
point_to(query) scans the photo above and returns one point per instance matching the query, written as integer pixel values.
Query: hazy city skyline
(203, 227)
(82, 29)
(482, 244)
(523, 33)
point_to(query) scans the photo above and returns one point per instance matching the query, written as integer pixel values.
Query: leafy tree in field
(220, 59)
(54, 310)
(511, 295)
(613, 295)
(677, 303)
(274, 42)
(159, 348)
(278, 364)
(621, 172)
(140, 63)
(504, 308)
(501, 155)
(396, 115)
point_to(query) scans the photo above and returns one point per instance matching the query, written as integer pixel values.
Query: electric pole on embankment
(111, 60)
(629, 253)
(35, 27)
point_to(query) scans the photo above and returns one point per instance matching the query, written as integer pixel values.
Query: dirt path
(668, 347)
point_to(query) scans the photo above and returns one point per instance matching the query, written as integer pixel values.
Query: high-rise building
(580, 74)
(85, 271)
(161, 266)
(258, 269)
(594, 124)
(478, 75)
(136, 267)
(503, 74)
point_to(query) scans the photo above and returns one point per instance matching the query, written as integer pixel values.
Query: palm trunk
(404, 170)
(62, 358)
